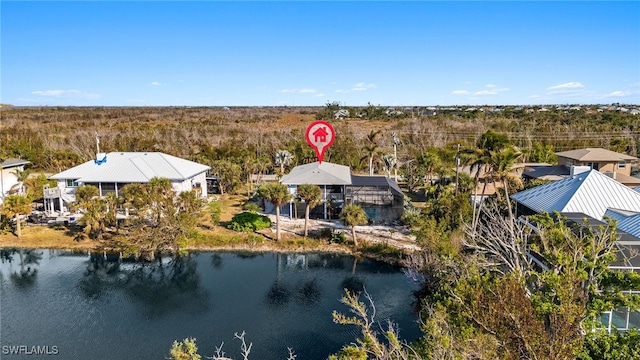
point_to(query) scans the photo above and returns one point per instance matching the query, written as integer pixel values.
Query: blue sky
(119, 53)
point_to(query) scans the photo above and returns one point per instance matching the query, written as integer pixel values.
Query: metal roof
(380, 181)
(631, 225)
(591, 193)
(11, 162)
(628, 221)
(548, 172)
(316, 173)
(130, 167)
(595, 154)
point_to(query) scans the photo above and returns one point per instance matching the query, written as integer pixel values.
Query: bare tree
(500, 243)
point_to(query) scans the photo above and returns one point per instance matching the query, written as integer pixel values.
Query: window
(622, 165)
(72, 183)
(594, 165)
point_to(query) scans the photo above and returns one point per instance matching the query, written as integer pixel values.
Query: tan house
(598, 159)
(610, 163)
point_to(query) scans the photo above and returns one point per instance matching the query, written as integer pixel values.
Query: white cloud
(155, 83)
(363, 86)
(535, 96)
(318, 95)
(299, 91)
(491, 89)
(459, 92)
(618, 93)
(485, 92)
(566, 86)
(66, 93)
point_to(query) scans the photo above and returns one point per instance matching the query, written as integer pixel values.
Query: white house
(111, 172)
(9, 183)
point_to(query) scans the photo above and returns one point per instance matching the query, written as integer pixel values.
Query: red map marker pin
(320, 136)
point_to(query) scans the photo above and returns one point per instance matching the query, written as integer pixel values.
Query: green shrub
(334, 237)
(251, 207)
(249, 221)
(216, 210)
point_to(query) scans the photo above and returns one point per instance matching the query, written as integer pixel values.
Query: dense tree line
(242, 141)
(481, 295)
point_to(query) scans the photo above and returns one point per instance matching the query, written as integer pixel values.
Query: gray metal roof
(129, 167)
(380, 181)
(591, 193)
(316, 173)
(11, 162)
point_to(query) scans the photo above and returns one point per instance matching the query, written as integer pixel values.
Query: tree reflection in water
(162, 286)
(352, 282)
(25, 276)
(216, 261)
(305, 292)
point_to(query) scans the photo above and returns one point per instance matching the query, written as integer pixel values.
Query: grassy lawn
(206, 237)
(43, 237)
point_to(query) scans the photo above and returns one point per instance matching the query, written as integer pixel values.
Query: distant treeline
(55, 138)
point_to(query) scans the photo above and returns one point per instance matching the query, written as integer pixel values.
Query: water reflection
(216, 261)
(162, 286)
(352, 282)
(25, 276)
(101, 306)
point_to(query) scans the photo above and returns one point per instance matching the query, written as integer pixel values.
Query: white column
(325, 202)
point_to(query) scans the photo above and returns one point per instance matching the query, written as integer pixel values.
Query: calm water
(89, 307)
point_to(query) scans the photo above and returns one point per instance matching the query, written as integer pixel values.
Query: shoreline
(56, 239)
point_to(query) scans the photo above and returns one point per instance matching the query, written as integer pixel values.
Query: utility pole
(457, 167)
(396, 141)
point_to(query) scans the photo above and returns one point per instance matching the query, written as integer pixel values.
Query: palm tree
(112, 202)
(372, 148)
(85, 193)
(430, 161)
(502, 164)
(312, 195)
(390, 164)
(277, 194)
(480, 160)
(283, 158)
(21, 176)
(134, 196)
(14, 206)
(353, 215)
(94, 218)
(160, 197)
